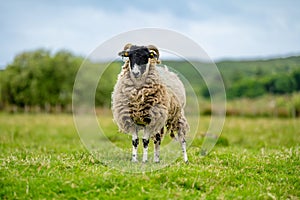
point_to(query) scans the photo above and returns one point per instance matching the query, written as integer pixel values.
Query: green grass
(41, 157)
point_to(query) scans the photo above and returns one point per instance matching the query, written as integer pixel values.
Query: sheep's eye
(152, 55)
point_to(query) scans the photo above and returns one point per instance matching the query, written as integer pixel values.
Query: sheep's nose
(136, 74)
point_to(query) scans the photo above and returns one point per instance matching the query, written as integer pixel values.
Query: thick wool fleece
(150, 102)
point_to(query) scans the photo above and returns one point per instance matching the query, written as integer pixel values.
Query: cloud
(252, 30)
(80, 29)
(222, 28)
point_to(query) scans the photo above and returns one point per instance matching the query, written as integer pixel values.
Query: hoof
(145, 161)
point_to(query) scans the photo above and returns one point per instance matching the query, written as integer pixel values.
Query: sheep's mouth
(136, 75)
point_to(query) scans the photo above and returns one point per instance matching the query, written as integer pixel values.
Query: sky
(225, 29)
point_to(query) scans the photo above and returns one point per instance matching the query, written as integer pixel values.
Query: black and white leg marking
(135, 143)
(157, 142)
(145, 145)
(183, 147)
(145, 152)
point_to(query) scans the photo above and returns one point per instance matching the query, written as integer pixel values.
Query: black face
(138, 57)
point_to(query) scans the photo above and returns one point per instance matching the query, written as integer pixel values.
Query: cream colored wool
(155, 101)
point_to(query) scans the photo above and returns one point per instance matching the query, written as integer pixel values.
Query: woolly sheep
(149, 98)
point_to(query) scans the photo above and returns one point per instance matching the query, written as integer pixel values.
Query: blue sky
(224, 29)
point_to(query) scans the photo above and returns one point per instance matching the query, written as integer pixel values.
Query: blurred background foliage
(42, 81)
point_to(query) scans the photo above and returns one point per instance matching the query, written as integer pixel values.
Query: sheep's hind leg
(183, 146)
(145, 145)
(157, 141)
(135, 143)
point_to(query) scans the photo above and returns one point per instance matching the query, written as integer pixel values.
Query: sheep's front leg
(135, 143)
(145, 145)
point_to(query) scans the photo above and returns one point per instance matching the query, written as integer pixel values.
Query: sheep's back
(173, 83)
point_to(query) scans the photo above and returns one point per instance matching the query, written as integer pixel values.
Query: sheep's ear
(154, 53)
(125, 52)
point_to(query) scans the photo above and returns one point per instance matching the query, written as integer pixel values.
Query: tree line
(256, 86)
(256, 78)
(45, 80)
(277, 84)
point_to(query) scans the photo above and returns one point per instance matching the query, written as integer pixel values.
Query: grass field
(41, 157)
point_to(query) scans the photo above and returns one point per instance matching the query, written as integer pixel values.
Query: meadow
(42, 157)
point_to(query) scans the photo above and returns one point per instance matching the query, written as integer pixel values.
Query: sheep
(149, 98)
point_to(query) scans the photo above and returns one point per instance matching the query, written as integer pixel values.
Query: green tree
(284, 84)
(246, 88)
(37, 78)
(296, 76)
